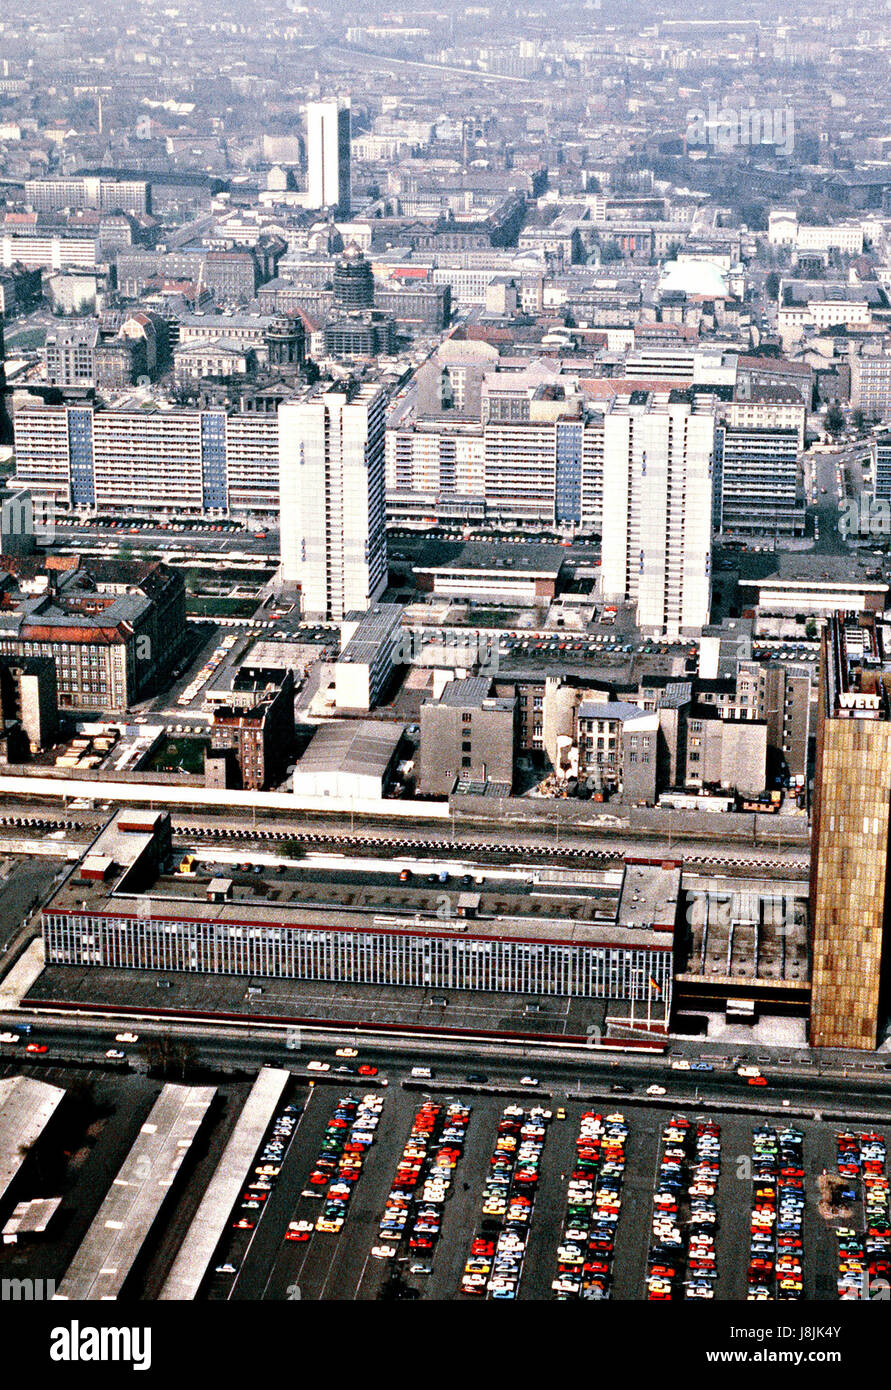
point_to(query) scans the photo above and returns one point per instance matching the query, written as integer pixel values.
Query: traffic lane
(634, 1227)
(546, 1228)
(351, 1256)
(811, 1088)
(278, 1209)
(462, 1211)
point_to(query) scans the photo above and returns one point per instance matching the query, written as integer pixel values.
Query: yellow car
(346, 1052)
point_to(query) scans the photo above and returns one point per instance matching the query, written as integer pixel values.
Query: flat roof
(478, 557)
(31, 1218)
(208, 1223)
(818, 585)
(132, 1203)
(649, 896)
(26, 1107)
(375, 627)
(531, 911)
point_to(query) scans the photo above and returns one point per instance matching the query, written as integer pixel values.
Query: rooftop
(135, 1197)
(26, 1107)
(362, 747)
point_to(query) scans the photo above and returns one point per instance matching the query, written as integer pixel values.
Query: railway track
(397, 847)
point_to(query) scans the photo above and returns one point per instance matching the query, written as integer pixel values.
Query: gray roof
(375, 627)
(132, 1203)
(610, 709)
(26, 1107)
(209, 1221)
(677, 693)
(468, 693)
(363, 746)
(481, 556)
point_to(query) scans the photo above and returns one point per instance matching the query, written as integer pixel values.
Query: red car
(366, 1070)
(36, 1047)
(757, 1080)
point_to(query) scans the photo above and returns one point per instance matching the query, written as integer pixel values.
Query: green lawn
(220, 607)
(179, 755)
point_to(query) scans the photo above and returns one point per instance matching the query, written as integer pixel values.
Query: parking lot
(349, 1264)
(318, 1217)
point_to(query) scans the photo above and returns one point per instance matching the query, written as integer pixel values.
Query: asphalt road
(805, 1082)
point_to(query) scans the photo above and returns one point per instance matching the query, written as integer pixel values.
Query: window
(465, 762)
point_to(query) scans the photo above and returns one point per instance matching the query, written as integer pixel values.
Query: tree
(835, 419)
(772, 285)
(170, 1056)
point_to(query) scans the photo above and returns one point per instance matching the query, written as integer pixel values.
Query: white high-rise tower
(657, 509)
(328, 156)
(331, 488)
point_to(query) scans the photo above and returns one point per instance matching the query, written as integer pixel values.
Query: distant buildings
(88, 191)
(871, 385)
(114, 628)
(757, 487)
(328, 183)
(134, 457)
(331, 467)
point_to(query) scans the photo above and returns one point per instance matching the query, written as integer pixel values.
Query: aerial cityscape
(445, 656)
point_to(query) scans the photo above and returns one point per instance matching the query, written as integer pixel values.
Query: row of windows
(367, 957)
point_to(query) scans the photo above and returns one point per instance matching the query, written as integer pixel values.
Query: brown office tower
(850, 834)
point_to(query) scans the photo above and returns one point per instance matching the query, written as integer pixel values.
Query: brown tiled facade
(849, 871)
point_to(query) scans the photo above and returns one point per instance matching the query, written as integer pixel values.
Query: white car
(9, 1038)
(114, 1055)
(346, 1052)
(318, 1066)
(383, 1252)
(682, 1065)
(655, 1090)
(528, 1080)
(126, 1037)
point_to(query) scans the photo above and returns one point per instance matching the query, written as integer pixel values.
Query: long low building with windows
(608, 938)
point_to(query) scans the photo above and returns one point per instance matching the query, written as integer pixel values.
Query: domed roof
(352, 252)
(694, 277)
